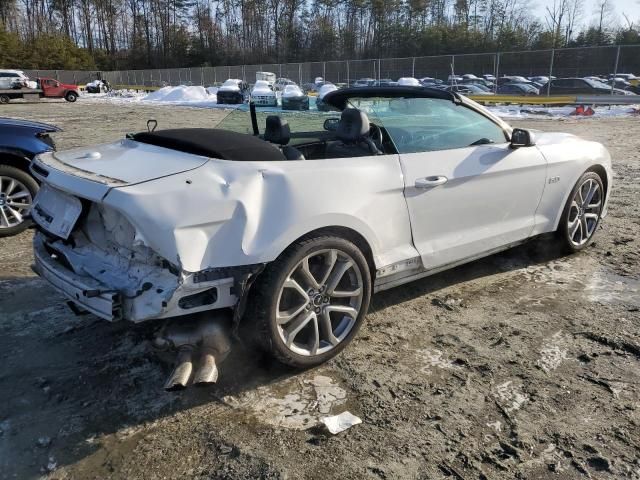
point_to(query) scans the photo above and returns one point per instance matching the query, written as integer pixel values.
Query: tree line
(135, 34)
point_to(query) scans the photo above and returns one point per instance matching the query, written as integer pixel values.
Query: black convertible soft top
(214, 143)
(339, 98)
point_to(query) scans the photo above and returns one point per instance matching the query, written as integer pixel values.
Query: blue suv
(20, 141)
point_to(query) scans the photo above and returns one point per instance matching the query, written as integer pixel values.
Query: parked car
(210, 220)
(478, 81)
(541, 79)
(320, 103)
(13, 79)
(364, 82)
(489, 77)
(97, 86)
(430, 81)
(20, 141)
(293, 98)
(580, 86)
(263, 94)
(409, 82)
(268, 77)
(518, 89)
(280, 83)
(385, 82)
(470, 89)
(232, 92)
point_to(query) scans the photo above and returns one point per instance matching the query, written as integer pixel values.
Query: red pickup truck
(47, 88)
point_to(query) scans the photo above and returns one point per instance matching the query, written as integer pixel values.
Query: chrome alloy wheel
(584, 212)
(15, 202)
(319, 302)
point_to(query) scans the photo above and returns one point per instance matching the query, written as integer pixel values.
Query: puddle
(599, 283)
(295, 403)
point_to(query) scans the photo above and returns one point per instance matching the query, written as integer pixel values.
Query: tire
(23, 183)
(71, 97)
(273, 300)
(4, 99)
(579, 217)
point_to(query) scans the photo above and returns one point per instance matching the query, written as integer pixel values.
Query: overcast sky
(630, 7)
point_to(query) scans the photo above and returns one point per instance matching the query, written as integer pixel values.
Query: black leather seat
(353, 136)
(277, 131)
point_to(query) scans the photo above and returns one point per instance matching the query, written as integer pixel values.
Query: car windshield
(428, 124)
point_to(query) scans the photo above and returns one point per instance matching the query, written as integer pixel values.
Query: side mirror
(521, 138)
(331, 124)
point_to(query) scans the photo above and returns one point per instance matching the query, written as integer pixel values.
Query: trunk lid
(125, 162)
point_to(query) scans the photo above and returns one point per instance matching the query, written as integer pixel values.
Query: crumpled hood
(122, 163)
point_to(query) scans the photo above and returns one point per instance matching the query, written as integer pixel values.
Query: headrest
(353, 125)
(277, 130)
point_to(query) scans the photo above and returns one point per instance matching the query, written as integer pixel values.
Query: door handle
(430, 182)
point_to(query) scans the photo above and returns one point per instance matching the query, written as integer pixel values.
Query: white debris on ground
(554, 113)
(340, 423)
(510, 396)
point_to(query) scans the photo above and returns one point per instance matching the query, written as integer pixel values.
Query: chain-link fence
(567, 62)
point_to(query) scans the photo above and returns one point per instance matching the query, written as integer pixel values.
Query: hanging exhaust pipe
(206, 339)
(182, 371)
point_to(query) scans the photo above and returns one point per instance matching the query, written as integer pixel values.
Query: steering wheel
(375, 133)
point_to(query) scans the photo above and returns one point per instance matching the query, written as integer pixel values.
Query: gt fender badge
(554, 179)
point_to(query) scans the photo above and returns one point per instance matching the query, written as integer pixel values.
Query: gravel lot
(522, 365)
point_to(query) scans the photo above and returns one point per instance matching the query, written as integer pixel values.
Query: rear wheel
(71, 97)
(17, 190)
(311, 301)
(582, 213)
(4, 99)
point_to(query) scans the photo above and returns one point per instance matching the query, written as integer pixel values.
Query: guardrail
(558, 100)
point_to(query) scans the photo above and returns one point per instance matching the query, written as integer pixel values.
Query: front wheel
(17, 190)
(582, 213)
(4, 99)
(311, 301)
(71, 97)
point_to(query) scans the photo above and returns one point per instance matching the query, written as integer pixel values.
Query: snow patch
(510, 396)
(554, 351)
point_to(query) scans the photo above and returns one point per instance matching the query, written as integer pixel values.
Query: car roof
(339, 98)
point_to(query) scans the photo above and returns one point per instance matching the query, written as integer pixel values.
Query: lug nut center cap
(317, 300)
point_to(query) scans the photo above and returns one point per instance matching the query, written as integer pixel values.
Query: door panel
(467, 201)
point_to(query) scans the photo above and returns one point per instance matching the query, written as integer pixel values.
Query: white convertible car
(294, 228)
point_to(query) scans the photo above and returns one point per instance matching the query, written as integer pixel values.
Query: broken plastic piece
(340, 423)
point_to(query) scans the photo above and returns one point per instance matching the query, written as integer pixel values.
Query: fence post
(553, 54)
(413, 67)
(300, 73)
(453, 67)
(497, 72)
(615, 70)
(324, 71)
(348, 79)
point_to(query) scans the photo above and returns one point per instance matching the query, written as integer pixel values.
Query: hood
(13, 122)
(121, 163)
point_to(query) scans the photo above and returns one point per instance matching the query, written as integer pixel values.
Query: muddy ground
(522, 365)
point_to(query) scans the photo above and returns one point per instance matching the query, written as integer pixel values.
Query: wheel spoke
(19, 195)
(292, 284)
(288, 315)
(339, 270)
(327, 329)
(315, 340)
(584, 231)
(345, 293)
(573, 227)
(21, 206)
(17, 215)
(593, 188)
(308, 276)
(594, 205)
(330, 259)
(5, 220)
(346, 309)
(297, 325)
(591, 216)
(12, 185)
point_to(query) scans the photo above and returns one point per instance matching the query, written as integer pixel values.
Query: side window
(429, 124)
